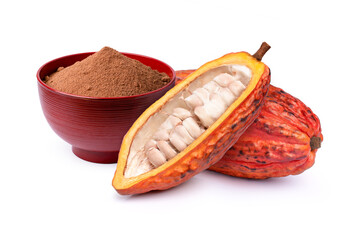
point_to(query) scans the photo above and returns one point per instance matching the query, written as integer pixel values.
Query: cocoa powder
(107, 73)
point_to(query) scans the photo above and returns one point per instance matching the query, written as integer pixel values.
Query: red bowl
(94, 126)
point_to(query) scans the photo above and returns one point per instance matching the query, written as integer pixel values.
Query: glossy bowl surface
(93, 126)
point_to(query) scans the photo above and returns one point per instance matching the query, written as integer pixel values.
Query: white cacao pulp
(185, 117)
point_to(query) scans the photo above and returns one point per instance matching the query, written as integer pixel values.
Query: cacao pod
(159, 151)
(282, 141)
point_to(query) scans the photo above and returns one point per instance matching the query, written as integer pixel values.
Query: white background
(48, 193)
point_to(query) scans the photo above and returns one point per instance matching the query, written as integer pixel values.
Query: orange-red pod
(282, 141)
(206, 149)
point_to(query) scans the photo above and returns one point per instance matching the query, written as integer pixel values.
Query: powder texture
(107, 73)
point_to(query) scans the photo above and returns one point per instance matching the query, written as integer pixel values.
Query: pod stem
(315, 143)
(262, 50)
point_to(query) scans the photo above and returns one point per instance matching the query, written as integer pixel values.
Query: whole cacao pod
(282, 141)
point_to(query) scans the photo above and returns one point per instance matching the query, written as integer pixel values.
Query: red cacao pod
(282, 141)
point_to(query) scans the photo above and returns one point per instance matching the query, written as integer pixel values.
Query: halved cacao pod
(145, 165)
(282, 141)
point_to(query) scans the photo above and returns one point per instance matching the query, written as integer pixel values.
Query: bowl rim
(104, 98)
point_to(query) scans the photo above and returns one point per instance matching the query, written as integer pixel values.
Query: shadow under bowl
(94, 126)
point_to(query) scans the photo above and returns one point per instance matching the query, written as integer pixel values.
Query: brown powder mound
(107, 73)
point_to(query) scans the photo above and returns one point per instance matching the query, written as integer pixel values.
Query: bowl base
(96, 157)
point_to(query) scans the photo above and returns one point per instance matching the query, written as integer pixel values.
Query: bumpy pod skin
(282, 141)
(208, 148)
